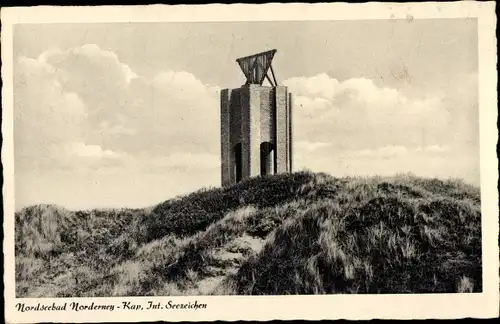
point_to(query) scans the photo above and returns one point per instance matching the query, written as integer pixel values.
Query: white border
(416, 306)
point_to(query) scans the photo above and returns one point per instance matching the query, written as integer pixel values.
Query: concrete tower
(256, 124)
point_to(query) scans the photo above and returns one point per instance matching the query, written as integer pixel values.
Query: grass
(300, 233)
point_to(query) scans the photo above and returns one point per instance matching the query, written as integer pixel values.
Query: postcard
(250, 162)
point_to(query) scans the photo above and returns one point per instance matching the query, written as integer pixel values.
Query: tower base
(256, 130)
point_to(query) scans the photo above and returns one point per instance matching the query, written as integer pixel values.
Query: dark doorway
(237, 161)
(266, 159)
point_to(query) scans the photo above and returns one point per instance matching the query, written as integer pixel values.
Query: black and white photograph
(247, 157)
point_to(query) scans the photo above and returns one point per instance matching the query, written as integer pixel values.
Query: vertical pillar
(245, 131)
(250, 130)
(255, 140)
(281, 130)
(226, 149)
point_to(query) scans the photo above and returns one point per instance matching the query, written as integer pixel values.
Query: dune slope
(300, 233)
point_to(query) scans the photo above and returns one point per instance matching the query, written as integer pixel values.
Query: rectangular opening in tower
(266, 159)
(238, 162)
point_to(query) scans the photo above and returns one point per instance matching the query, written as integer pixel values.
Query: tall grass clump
(374, 240)
(195, 212)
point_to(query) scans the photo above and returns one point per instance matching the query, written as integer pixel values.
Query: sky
(128, 114)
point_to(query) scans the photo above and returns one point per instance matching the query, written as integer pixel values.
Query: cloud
(81, 149)
(106, 134)
(310, 146)
(187, 162)
(385, 151)
(368, 129)
(389, 151)
(69, 98)
(357, 114)
(45, 115)
(433, 149)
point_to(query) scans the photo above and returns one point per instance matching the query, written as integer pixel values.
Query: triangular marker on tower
(255, 67)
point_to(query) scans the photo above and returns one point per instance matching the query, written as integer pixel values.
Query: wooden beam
(254, 55)
(270, 81)
(274, 77)
(257, 65)
(255, 68)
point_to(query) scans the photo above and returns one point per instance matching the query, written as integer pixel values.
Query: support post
(226, 149)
